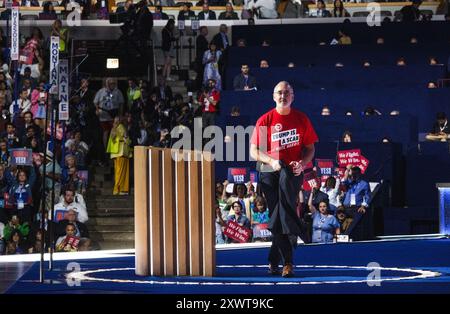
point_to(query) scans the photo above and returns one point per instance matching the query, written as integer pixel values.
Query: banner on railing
(15, 33)
(54, 62)
(63, 90)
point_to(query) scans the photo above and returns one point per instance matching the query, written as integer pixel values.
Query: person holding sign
(238, 217)
(282, 144)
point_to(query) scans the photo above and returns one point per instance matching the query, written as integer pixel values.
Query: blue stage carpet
(409, 266)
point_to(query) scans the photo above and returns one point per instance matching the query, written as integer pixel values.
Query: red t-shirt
(285, 135)
(207, 106)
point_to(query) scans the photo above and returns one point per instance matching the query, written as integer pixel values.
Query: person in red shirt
(282, 143)
(209, 101)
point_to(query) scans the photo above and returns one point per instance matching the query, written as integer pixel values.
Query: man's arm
(256, 154)
(308, 154)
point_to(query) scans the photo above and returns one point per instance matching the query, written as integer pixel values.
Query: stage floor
(401, 266)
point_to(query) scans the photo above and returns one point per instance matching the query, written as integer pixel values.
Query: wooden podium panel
(174, 212)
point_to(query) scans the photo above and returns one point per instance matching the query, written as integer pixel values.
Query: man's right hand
(275, 164)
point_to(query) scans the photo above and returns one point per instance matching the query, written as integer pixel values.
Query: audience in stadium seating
(238, 215)
(324, 225)
(344, 220)
(321, 10)
(266, 9)
(159, 14)
(48, 12)
(229, 13)
(339, 10)
(332, 189)
(411, 12)
(69, 202)
(244, 81)
(81, 231)
(325, 111)
(206, 13)
(209, 100)
(186, 13)
(264, 64)
(68, 242)
(357, 197)
(440, 130)
(211, 59)
(344, 39)
(16, 245)
(260, 219)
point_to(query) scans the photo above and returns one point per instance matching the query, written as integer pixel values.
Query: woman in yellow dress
(120, 151)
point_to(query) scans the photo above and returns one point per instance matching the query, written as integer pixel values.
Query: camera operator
(143, 26)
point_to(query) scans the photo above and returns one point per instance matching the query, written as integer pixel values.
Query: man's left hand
(297, 167)
(362, 210)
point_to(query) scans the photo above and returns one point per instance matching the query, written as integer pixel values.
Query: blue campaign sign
(21, 157)
(238, 175)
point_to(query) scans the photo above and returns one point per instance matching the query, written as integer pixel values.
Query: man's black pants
(281, 190)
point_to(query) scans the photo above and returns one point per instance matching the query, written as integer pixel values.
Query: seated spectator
(339, 10)
(16, 225)
(4, 153)
(244, 81)
(264, 64)
(48, 12)
(238, 216)
(239, 194)
(159, 14)
(325, 111)
(357, 196)
(68, 242)
(260, 219)
(321, 10)
(29, 121)
(371, 111)
(411, 12)
(344, 220)
(36, 242)
(20, 106)
(206, 13)
(344, 38)
(331, 188)
(235, 111)
(401, 62)
(20, 193)
(346, 137)
(433, 61)
(81, 231)
(78, 145)
(211, 60)
(325, 226)
(36, 227)
(265, 43)
(70, 203)
(431, 85)
(380, 41)
(220, 225)
(186, 13)
(229, 13)
(50, 178)
(74, 181)
(125, 7)
(440, 130)
(241, 43)
(267, 9)
(16, 245)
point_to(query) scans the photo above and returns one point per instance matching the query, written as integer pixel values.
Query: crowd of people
(250, 9)
(332, 207)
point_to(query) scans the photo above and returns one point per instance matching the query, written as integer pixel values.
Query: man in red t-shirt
(282, 144)
(209, 100)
